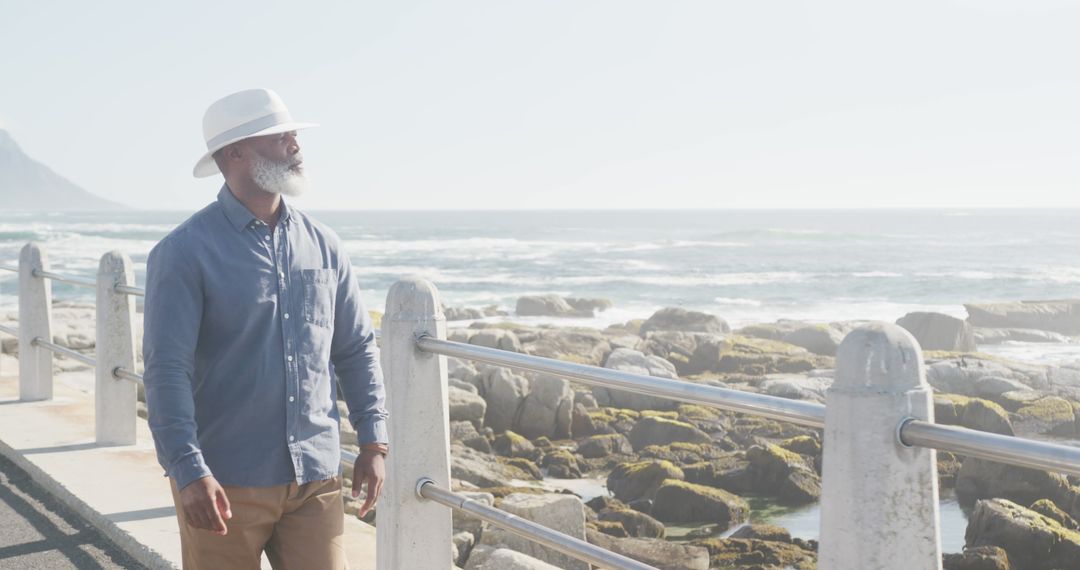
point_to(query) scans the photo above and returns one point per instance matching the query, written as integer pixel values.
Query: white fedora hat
(244, 114)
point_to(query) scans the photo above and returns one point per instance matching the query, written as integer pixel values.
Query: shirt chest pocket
(319, 290)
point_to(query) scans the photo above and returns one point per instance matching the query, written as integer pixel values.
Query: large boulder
(676, 347)
(547, 409)
(504, 393)
(679, 501)
(783, 474)
(651, 430)
(635, 523)
(554, 306)
(936, 331)
(818, 338)
(586, 346)
(973, 413)
(603, 445)
(752, 356)
(796, 386)
(466, 405)
(635, 362)
(501, 339)
(481, 469)
(1050, 415)
(758, 554)
(654, 551)
(982, 479)
(977, 558)
(1032, 541)
(1058, 316)
(564, 513)
(679, 319)
(640, 479)
(506, 559)
(589, 306)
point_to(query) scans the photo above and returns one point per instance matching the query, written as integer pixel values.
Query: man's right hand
(205, 505)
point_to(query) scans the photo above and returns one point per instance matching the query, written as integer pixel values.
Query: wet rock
(585, 422)
(678, 319)
(525, 465)
(562, 464)
(655, 552)
(640, 479)
(978, 558)
(679, 501)
(604, 445)
(783, 474)
(637, 524)
(937, 331)
(589, 306)
(660, 431)
(1032, 541)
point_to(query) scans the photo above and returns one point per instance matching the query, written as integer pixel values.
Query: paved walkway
(118, 490)
(38, 532)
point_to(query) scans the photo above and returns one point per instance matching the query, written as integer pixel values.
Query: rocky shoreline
(670, 464)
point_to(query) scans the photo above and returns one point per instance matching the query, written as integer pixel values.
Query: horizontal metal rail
(124, 374)
(972, 443)
(10, 330)
(773, 407)
(128, 289)
(63, 350)
(994, 447)
(81, 281)
(553, 539)
(14, 268)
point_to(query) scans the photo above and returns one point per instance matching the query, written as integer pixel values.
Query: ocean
(746, 266)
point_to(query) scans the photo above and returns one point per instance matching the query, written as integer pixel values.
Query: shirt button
(286, 315)
(281, 274)
(292, 438)
(289, 358)
(291, 398)
(266, 237)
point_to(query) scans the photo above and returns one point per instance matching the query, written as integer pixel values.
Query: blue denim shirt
(243, 330)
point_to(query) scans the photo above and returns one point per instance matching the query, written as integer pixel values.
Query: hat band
(248, 128)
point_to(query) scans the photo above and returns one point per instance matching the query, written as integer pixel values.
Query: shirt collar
(239, 215)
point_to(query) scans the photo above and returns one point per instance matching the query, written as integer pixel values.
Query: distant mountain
(26, 184)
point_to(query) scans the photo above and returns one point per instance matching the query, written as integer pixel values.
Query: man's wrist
(380, 448)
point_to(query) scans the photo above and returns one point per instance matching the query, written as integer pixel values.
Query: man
(251, 308)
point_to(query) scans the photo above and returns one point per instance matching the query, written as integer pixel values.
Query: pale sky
(486, 104)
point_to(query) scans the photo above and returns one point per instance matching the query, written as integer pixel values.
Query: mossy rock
(640, 479)
(637, 524)
(500, 492)
(803, 445)
(604, 445)
(739, 553)
(783, 474)
(651, 430)
(510, 444)
(696, 413)
(763, 532)
(524, 465)
(610, 528)
(562, 464)
(684, 453)
(667, 415)
(1050, 415)
(1047, 508)
(679, 501)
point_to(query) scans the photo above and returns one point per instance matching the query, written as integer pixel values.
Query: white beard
(277, 177)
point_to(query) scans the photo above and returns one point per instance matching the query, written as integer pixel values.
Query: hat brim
(207, 166)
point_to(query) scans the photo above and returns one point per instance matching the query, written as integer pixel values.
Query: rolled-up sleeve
(355, 357)
(171, 318)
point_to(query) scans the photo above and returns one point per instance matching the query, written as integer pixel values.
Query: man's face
(275, 164)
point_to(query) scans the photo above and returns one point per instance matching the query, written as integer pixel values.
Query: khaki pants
(301, 527)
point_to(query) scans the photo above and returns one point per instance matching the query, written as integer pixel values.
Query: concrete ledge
(121, 490)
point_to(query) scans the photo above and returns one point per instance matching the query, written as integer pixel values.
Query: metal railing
(879, 437)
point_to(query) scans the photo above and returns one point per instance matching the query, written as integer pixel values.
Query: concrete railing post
(35, 320)
(412, 532)
(879, 500)
(114, 398)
